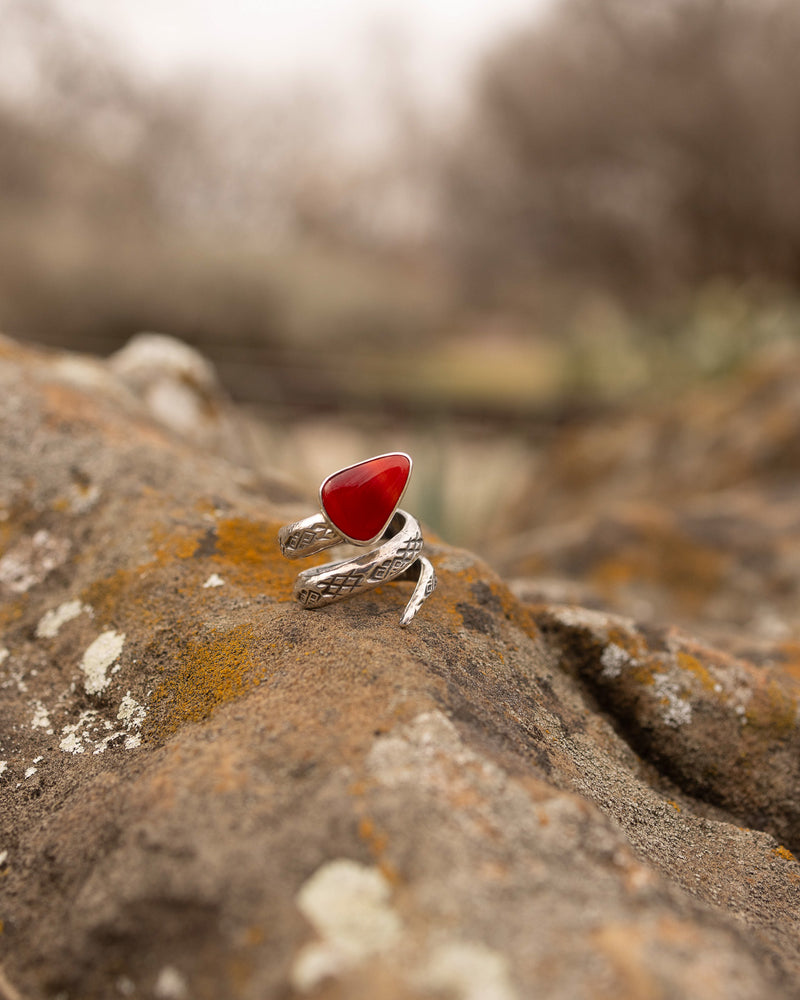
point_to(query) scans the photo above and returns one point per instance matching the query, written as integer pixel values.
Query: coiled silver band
(397, 557)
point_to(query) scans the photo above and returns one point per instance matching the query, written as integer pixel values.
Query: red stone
(360, 500)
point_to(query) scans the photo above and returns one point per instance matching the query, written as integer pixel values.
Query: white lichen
(98, 658)
(467, 971)
(3, 655)
(83, 498)
(429, 750)
(215, 580)
(15, 678)
(71, 743)
(3, 858)
(29, 772)
(76, 735)
(457, 562)
(40, 718)
(348, 904)
(3, 766)
(102, 745)
(131, 713)
(171, 984)
(51, 621)
(677, 710)
(125, 986)
(574, 617)
(614, 659)
(31, 559)
(95, 734)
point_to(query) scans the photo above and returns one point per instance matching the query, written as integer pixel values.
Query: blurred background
(490, 235)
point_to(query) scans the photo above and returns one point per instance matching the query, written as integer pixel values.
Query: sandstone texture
(208, 792)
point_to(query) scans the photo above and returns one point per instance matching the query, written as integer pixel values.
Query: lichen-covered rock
(683, 512)
(206, 791)
(179, 388)
(719, 564)
(724, 729)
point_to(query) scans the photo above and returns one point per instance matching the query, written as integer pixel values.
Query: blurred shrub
(639, 146)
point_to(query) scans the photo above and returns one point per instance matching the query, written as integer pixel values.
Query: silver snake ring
(359, 506)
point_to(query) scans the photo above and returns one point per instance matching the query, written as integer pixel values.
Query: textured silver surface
(426, 584)
(304, 538)
(398, 555)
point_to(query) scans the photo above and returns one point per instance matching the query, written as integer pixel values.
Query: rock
(715, 564)
(722, 728)
(684, 512)
(206, 791)
(180, 390)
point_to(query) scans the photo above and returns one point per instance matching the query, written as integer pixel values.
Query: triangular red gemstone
(359, 501)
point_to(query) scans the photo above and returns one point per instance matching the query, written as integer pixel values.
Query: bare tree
(636, 143)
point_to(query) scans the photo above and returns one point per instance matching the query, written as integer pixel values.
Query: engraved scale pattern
(306, 537)
(398, 564)
(397, 555)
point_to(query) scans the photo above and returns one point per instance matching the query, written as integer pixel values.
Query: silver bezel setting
(355, 465)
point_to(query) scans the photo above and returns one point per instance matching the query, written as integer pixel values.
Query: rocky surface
(208, 792)
(684, 511)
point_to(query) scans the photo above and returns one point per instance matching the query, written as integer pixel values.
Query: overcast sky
(283, 40)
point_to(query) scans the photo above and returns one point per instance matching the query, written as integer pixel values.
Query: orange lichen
(69, 407)
(625, 947)
(785, 853)
(644, 672)
(773, 709)
(12, 351)
(632, 644)
(181, 543)
(212, 670)
(206, 506)
(377, 841)
(248, 555)
(241, 969)
(609, 574)
(227, 774)
(10, 613)
(790, 658)
(674, 805)
(661, 554)
(255, 935)
(692, 665)
(458, 588)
